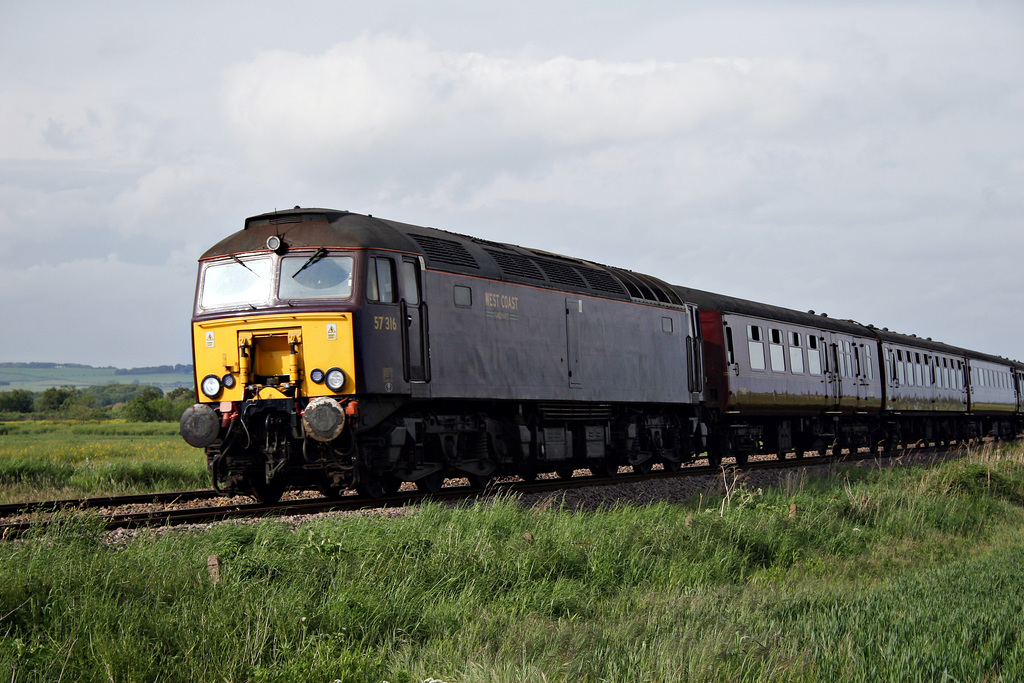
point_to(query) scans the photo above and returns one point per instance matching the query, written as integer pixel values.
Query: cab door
(414, 329)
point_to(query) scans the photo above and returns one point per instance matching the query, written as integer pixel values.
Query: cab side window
(411, 283)
(380, 280)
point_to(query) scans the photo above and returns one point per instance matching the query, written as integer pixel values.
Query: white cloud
(829, 157)
(378, 89)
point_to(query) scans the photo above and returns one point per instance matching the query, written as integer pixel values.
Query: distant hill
(42, 376)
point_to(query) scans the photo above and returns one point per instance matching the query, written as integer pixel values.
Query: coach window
(796, 354)
(901, 367)
(380, 279)
(463, 297)
(777, 352)
(730, 352)
(813, 355)
(755, 346)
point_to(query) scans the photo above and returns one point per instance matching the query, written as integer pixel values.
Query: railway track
(36, 514)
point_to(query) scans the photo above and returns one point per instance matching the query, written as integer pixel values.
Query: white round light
(335, 379)
(210, 386)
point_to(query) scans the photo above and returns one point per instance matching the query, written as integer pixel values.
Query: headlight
(210, 386)
(335, 379)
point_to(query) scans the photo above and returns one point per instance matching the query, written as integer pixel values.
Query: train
(337, 351)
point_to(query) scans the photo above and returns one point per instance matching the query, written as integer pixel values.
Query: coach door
(833, 376)
(415, 348)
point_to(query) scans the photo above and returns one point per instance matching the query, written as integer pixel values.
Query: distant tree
(81, 406)
(52, 399)
(16, 401)
(150, 405)
(181, 398)
(110, 394)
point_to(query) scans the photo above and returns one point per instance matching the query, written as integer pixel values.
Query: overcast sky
(865, 159)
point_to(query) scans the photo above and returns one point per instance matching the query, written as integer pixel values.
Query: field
(58, 459)
(899, 574)
(37, 377)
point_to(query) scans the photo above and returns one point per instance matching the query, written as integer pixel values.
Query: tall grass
(913, 574)
(69, 460)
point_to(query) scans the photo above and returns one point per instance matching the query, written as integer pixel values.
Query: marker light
(316, 375)
(210, 386)
(228, 381)
(335, 379)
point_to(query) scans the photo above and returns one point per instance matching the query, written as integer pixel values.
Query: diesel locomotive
(336, 350)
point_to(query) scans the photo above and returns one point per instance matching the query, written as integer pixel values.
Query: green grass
(51, 460)
(906, 574)
(13, 376)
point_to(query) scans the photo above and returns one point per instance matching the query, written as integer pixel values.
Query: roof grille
(445, 251)
(562, 274)
(601, 281)
(516, 265)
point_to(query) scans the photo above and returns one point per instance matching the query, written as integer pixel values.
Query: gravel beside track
(574, 494)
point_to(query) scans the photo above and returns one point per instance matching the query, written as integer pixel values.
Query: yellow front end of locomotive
(274, 356)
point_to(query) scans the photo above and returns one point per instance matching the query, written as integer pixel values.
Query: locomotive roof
(452, 252)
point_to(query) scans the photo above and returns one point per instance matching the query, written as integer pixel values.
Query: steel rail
(206, 515)
(10, 509)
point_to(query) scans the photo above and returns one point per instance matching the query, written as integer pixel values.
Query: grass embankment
(52, 460)
(903, 574)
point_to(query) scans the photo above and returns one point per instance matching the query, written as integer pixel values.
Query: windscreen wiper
(320, 253)
(242, 263)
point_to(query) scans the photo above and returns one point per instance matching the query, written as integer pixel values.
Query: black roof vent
(516, 265)
(561, 274)
(445, 251)
(601, 281)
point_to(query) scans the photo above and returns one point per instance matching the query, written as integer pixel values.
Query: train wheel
(714, 460)
(741, 459)
(798, 453)
(268, 492)
(604, 470)
(644, 467)
(671, 465)
(480, 481)
(432, 483)
(565, 473)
